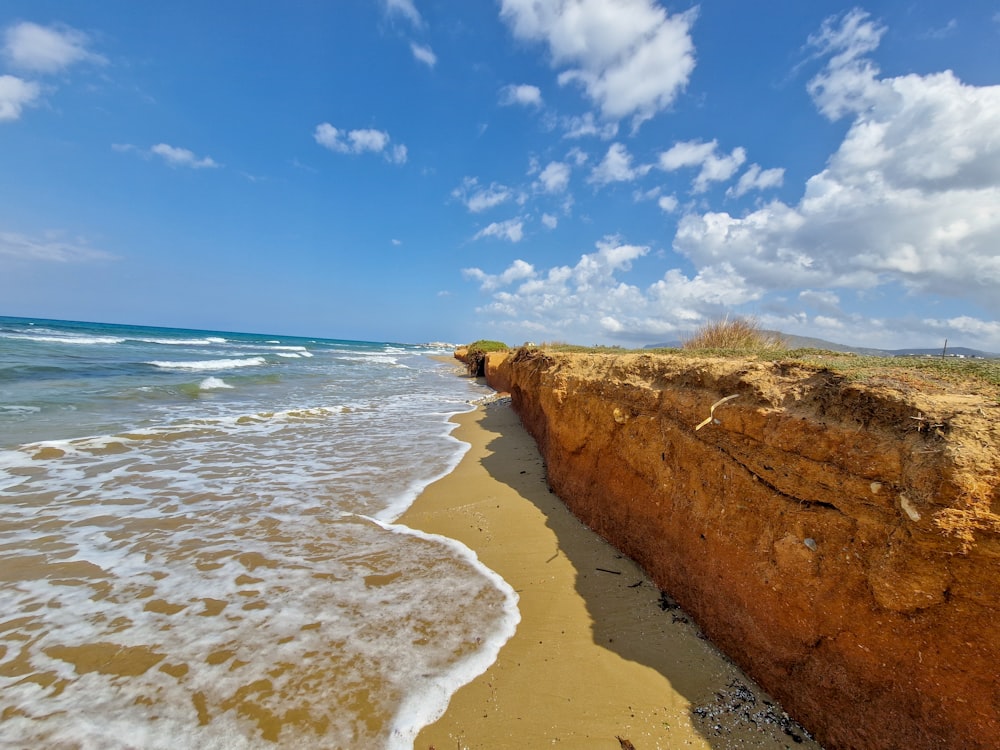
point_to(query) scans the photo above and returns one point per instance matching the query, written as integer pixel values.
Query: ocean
(198, 544)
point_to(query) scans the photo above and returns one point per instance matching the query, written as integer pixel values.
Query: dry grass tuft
(734, 334)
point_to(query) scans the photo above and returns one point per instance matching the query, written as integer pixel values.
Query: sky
(590, 171)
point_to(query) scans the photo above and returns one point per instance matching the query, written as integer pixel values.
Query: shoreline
(600, 653)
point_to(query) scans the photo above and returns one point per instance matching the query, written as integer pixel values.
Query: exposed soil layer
(839, 540)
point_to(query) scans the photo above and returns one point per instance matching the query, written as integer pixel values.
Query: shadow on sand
(635, 620)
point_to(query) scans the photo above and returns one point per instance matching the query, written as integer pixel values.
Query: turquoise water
(197, 544)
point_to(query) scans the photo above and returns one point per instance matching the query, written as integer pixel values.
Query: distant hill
(807, 342)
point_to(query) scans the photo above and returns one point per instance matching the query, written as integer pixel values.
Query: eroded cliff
(839, 540)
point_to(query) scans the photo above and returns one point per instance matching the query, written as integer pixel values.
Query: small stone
(810, 543)
(908, 509)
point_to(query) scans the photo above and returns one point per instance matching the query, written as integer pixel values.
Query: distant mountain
(807, 342)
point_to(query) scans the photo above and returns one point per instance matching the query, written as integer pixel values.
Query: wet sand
(601, 658)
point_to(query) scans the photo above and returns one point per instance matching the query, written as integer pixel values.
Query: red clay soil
(840, 541)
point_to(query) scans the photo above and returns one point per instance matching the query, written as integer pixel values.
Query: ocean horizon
(198, 543)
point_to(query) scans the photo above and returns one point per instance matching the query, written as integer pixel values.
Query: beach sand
(600, 658)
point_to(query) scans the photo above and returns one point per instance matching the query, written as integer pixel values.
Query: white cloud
(477, 198)
(516, 271)
(15, 95)
(523, 94)
(424, 54)
(714, 167)
(47, 49)
(822, 300)
(686, 154)
(550, 221)
(591, 299)
(512, 230)
(578, 157)
(667, 203)
(555, 177)
(50, 247)
(973, 328)
(941, 32)
(907, 204)
(848, 83)
(182, 157)
(631, 58)
(617, 167)
(909, 198)
(586, 126)
(756, 178)
(172, 155)
(404, 8)
(359, 141)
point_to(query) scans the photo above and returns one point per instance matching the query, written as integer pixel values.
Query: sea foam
(209, 364)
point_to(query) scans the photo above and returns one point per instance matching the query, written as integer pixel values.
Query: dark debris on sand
(738, 704)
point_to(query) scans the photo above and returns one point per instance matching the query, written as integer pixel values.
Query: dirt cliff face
(840, 541)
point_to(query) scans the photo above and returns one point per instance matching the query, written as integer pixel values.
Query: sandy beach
(601, 658)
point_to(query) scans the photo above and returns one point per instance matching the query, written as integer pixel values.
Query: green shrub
(476, 355)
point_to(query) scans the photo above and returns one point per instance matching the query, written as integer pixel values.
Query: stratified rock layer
(838, 540)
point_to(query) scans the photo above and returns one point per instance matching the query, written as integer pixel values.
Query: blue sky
(593, 171)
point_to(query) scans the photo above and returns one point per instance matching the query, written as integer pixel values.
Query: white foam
(65, 339)
(209, 364)
(213, 384)
(422, 707)
(183, 342)
(20, 409)
(197, 508)
(288, 355)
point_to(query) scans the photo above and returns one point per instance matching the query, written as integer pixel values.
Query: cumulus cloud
(667, 203)
(523, 94)
(404, 9)
(172, 155)
(617, 167)
(908, 199)
(50, 247)
(586, 126)
(823, 300)
(756, 178)
(849, 80)
(47, 49)
(630, 57)
(182, 157)
(550, 221)
(516, 271)
(591, 298)
(478, 198)
(714, 167)
(511, 230)
(15, 95)
(359, 141)
(906, 204)
(424, 54)
(555, 177)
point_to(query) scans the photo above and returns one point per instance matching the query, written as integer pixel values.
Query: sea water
(198, 547)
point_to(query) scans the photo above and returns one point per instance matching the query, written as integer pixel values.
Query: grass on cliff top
(743, 337)
(475, 355)
(852, 366)
(485, 345)
(734, 334)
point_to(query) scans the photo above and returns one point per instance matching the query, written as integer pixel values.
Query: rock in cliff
(838, 539)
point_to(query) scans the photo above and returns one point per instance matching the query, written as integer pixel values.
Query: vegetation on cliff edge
(475, 356)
